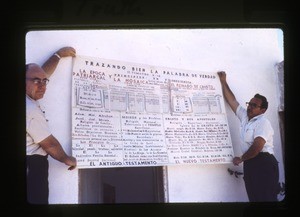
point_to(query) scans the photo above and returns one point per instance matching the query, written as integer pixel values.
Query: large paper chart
(135, 115)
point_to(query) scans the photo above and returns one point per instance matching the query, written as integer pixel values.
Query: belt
(265, 153)
(37, 156)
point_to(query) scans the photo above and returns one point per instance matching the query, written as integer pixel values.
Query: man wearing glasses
(261, 174)
(39, 141)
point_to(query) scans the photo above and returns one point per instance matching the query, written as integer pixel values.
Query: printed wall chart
(130, 114)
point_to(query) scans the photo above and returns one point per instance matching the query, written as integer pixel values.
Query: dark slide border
(21, 16)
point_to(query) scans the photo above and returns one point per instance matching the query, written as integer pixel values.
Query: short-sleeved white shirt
(258, 126)
(37, 128)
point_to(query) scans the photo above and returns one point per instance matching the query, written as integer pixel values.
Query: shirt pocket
(249, 135)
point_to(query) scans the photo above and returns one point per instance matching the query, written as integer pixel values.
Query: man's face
(254, 108)
(36, 80)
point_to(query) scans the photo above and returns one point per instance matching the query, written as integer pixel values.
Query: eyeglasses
(253, 105)
(39, 81)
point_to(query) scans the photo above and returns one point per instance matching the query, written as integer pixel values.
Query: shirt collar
(32, 100)
(256, 117)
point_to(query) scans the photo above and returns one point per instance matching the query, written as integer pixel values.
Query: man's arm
(252, 152)
(50, 65)
(228, 94)
(52, 146)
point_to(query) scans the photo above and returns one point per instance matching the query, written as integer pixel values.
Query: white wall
(247, 55)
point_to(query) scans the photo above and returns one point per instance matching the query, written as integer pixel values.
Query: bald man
(39, 140)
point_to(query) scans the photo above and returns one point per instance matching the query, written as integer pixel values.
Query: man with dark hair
(261, 173)
(264, 102)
